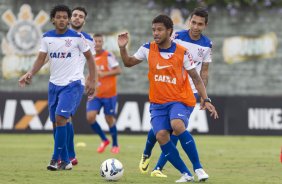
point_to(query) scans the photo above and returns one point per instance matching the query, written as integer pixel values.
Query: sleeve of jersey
(188, 61)
(82, 44)
(43, 46)
(112, 61)
(142, 53)
(92, 46)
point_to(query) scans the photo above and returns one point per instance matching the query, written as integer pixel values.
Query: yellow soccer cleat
(158, 173)
(144, 164)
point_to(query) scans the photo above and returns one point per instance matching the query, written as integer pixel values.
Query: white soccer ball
(111, 169)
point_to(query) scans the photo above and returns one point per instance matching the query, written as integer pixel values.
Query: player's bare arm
(39, 62)
(204, 73)
(128, 61)
(113, 72)
(91, 79)
(202, 91)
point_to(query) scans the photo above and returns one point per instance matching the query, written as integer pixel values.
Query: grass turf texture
(227, 159)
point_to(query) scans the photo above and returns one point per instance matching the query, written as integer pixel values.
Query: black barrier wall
(28, 113)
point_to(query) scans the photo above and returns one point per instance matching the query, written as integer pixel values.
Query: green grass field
(227, 159)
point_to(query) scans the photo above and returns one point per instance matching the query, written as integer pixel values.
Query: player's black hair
(80, 9)
(201, 12)
(166, 20)
(58, 8)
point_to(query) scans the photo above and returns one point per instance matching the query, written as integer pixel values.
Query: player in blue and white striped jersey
(63, 48)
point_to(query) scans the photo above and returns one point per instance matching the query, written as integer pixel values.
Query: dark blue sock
(189, 146)
(60, 142)
(150, 143)
(64, 154)
(96, 128)
(162, 160)
(70, 140)
(113, 132)
(172, 155)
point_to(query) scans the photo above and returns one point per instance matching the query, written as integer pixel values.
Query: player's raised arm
(128, 61)
(39, 62)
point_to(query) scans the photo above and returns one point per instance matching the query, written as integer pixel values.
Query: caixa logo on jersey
(25, 114)
(60, 55)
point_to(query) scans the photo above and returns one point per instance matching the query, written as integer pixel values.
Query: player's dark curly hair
(58, 8)
(201, 12)
(80, 9)
(166, 20)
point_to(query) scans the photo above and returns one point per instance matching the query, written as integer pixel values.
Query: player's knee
(91, 118)
(110, 120)
(178, 126)
(162, 137)
(61, 121)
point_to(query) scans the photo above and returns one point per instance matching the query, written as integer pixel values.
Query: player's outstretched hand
(212, 110)
(122, 40)
(25, 79)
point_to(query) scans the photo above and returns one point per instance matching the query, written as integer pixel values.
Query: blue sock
(162, 160)
(172, 155)
(60, 143)
(70, 140)
(96, 128)
(113, 132)
(150, 143)
(189, 146)
(64, 155)
(54, 133)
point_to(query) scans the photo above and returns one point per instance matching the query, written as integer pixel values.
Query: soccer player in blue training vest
(63, 47)
(106, 95)
(77, 21)
(170, 94)
(200, 48)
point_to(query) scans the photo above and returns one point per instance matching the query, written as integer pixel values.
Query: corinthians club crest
(22, 41)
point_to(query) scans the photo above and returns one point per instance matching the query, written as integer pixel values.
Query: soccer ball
(111, 169)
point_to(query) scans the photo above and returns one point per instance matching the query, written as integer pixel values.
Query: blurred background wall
(246, 35)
